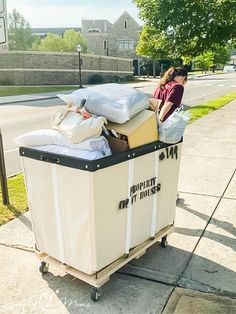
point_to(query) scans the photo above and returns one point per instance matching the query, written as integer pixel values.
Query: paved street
(200, 89)
(22, 117)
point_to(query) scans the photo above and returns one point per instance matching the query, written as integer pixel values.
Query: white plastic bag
(172, 129)
(118, 103)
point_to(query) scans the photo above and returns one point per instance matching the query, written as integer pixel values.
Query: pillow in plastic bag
(83, 154)
(73, 98)
(172, 129)
(38, 137)
(49, 136)
(118, 103)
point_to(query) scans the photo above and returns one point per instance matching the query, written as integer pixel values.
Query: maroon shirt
(172, 92)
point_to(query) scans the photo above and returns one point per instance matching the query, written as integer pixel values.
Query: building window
(94, 30)
(125, 24)
(125, 44)
(105, 44)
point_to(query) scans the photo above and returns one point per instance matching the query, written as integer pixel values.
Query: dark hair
(171, 73)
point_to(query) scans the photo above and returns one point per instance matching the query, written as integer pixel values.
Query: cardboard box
(116, 144)
(140, 130)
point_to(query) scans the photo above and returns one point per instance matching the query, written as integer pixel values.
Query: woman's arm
(166, 107)
(174, 98)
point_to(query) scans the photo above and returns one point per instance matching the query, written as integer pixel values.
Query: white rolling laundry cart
(90, 218)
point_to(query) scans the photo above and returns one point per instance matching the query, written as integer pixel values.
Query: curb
(27, 100)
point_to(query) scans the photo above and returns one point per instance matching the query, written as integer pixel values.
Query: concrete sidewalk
(194, 274)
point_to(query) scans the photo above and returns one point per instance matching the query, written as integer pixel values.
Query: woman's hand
(154, 103)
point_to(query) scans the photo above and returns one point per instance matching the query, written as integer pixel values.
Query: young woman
(170, 91)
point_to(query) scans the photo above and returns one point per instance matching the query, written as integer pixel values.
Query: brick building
(117, 40)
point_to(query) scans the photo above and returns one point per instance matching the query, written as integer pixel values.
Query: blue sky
(68, 13)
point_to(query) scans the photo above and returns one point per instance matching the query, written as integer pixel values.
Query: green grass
(17, 197)
(204, 109)
(23, 90)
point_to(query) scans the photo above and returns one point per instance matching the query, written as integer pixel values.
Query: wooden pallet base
(101, 277)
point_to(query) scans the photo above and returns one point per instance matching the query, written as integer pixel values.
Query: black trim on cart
(92, 165)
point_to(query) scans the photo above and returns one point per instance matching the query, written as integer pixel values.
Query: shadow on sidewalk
(212, 221)
(26, 222)
(227, 241)
(20, 216)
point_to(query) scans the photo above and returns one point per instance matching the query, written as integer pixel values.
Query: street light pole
(78, 49)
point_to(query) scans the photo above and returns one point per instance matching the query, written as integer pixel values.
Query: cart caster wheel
(177, 198)
(126, 255)
(152, 238)
(178, 201)
(164, 241)
(43, 268)
(95, 293)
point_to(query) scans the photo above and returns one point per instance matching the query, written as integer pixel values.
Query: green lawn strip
(204, 109)
(24, 90)
(17, 196)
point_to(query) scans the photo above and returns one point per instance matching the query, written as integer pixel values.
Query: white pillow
(38, 137)
(54, 137)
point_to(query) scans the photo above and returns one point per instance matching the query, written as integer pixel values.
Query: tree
(154, 47)
(217, 56)
(52, 42)
(221, 55)
(72, 38)
(19, 32)
(151, 45)
(66, 43)
(189, 27)
(36, 42)
(204, 61)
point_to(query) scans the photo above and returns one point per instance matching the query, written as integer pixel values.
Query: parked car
(229, 68)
